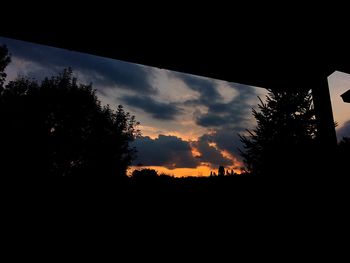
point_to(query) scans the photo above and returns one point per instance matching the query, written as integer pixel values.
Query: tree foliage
(221, 171)
(284, 136)
(5, 59)
(59, 127)
(145, 174)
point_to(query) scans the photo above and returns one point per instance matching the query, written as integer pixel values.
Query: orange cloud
(204, 169)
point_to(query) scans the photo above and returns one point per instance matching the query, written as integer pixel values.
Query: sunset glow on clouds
(189, 124)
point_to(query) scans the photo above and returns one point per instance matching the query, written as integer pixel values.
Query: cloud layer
(101, 71)
(166, 101)
(169, 151)
(158, 109)
(210, 153)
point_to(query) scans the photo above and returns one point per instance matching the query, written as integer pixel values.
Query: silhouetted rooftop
(346, 96)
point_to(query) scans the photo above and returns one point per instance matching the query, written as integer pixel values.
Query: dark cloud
(344, 131)
(211, 120)
(220, 114)
(219, 107)
(226, 138)
(101, 71)
(235, 113)
(246, 92)
(169, 151)
(209, 153)
(226, 120)
(205, 86)
(158, 110)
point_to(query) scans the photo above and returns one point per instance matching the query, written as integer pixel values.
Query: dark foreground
(219, 218)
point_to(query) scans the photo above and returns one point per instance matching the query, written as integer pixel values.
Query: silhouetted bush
(4, 61)
(221, 171)
(144, 174)
(60, 128)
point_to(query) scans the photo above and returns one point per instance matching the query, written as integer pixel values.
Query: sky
(339, 82)
(189, 123)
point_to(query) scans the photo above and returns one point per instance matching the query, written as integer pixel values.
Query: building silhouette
(346, 96)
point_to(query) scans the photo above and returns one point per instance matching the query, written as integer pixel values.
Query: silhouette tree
(145, 174)
(60, 128)
(4, 61)
(283, 141)
(221, 171)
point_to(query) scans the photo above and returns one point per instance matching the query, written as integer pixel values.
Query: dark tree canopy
(284, 138)
(145, 174)
(60, 128)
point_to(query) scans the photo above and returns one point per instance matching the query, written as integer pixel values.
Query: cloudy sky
(189, 123)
